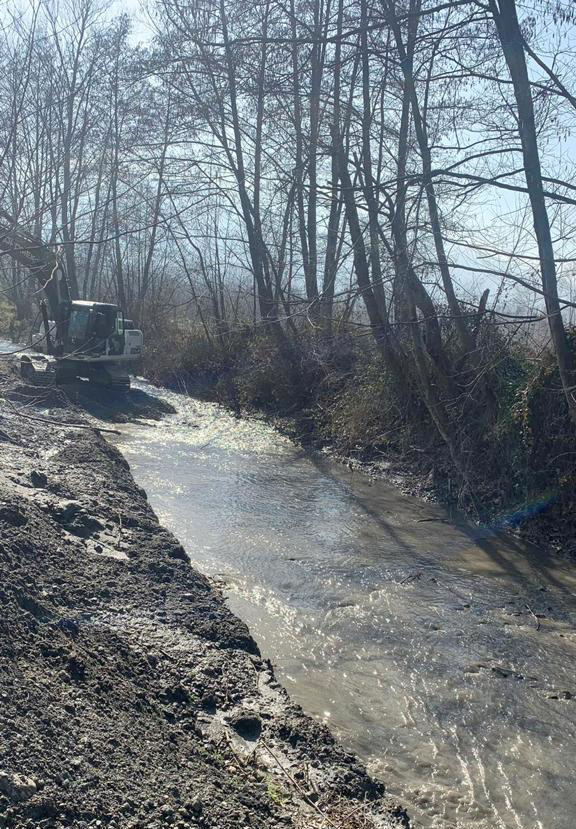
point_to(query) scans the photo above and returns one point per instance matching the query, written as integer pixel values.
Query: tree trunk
(369, 194)
(379, 324)
(406, 63)
(510, 34)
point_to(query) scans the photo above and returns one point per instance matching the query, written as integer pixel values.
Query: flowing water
(413, 635)
(7, 347)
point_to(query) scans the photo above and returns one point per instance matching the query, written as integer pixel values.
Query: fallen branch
(536, 619)
(411, 577)
(440, 520)
(300, 790)
(8, 438)
(61, 424)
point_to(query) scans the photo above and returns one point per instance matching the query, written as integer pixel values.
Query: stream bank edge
(131, 696)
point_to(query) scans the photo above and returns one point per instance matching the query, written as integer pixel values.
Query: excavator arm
(39, 258)
(90, 339)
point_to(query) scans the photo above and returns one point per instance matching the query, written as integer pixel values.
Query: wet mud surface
(130, 696)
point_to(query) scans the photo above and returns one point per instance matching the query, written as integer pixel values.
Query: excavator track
(43, 371)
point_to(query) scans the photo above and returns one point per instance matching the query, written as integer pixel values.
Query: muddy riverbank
(131, 696)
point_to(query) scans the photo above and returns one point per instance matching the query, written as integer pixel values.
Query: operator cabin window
(104, 323)
(78, 325)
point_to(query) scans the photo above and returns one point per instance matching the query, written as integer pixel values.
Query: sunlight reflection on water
(412, 637)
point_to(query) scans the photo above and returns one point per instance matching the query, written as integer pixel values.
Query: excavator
(84, 339)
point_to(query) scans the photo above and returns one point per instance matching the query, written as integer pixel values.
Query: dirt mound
(130, 696)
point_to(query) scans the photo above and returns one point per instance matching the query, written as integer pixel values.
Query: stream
(438, 651)
(412, 635)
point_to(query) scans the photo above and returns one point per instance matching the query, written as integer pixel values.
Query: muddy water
(415, 637)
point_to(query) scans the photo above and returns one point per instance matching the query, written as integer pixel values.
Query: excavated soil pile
(130, 696)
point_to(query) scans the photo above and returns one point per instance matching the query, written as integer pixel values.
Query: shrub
(7, 318)
(268, 376)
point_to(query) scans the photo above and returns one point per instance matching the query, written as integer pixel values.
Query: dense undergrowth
(512, 424)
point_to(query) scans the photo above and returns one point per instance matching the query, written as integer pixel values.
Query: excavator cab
(90, 328)
(91, 342)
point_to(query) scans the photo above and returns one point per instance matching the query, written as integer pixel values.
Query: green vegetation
(274, 792)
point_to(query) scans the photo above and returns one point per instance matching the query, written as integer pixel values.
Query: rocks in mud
(38, 479)
(13, 515)
(17, 787)
(76, 519)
